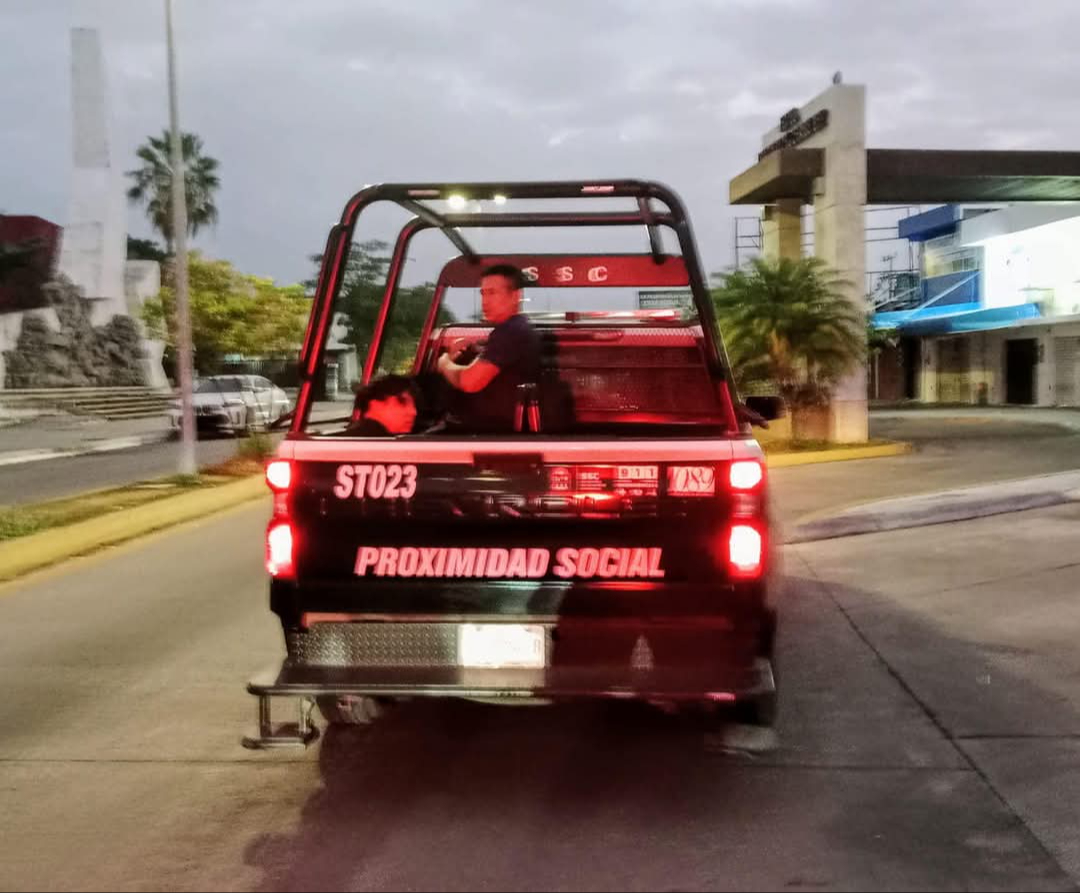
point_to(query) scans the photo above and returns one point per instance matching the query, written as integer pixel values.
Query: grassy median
(779, 447)
(17, 521)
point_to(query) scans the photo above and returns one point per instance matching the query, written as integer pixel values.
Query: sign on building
(662, 299)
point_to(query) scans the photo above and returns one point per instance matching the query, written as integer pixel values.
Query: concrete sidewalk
(1061, 417)
(979, 623)
(946, 506)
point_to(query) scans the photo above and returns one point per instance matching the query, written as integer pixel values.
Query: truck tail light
(279, 550)
(279, 478)
(746, 548)
(279, 475)
(745, 474)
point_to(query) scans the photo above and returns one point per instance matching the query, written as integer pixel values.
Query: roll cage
(653, 268)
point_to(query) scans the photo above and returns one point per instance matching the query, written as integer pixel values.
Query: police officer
(511, 356)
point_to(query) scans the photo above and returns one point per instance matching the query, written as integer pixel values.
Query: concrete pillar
(1046, 371)
(839, 232)
(781, 229)
(996, 352)
(928, 383)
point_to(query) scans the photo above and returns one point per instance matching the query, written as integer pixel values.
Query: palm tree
(152, 184)
(790, 323)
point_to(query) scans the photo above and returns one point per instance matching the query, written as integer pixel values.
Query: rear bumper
(685, 658)
(557, 683)
(303, 684)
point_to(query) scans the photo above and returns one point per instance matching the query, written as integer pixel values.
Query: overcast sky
(303, 102)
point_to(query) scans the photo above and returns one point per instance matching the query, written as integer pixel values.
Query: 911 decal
(375, 481)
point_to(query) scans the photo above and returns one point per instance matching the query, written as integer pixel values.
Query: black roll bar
(410, 196)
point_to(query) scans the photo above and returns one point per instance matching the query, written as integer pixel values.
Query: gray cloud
(305, 102)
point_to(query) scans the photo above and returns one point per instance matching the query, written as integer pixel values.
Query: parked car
(234, 404)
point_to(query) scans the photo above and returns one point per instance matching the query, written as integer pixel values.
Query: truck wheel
(348, 710)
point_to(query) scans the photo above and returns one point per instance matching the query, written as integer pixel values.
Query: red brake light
(279, 475)
(279, 550)
(745, 474)
(745, 548)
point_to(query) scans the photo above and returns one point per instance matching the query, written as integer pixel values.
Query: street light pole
(180, 264)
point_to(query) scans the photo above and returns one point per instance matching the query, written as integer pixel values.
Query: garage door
(1067, 369)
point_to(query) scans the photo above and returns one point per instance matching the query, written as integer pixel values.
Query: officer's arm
(470, 379)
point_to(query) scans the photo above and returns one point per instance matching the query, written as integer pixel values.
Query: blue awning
(901, 318)
(970, 319)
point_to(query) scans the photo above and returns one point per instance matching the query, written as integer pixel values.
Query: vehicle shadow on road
(867, 788)
(472, 783)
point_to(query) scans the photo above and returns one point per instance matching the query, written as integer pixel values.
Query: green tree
(878, 340)
(361, 296)
(152, 184)
(145, 249)
(231, 313)
(789, 323)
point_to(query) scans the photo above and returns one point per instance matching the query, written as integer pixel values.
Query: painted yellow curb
(786, 460)
(29, 553)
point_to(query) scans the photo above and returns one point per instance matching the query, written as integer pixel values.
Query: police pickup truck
(615, 544)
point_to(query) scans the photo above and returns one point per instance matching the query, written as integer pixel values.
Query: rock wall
(79, 354)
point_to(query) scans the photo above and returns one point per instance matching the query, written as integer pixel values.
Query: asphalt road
(58, 478)
(929, 738)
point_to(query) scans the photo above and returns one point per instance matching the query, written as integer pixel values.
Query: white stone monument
(95, 234)
(94, 248)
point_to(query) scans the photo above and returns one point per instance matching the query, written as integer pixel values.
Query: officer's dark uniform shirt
(513, 346)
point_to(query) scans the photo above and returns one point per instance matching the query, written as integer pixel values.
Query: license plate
(693, 480)
(502, 646)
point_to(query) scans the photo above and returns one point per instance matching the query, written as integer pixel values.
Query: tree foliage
(152, 184)
(145, 249)
(790, 323)
(361, 296)
(231, 313)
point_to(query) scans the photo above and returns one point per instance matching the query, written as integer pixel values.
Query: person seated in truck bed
(511, 357)
(384, 408)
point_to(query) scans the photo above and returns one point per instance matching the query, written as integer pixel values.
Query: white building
(998, 316)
